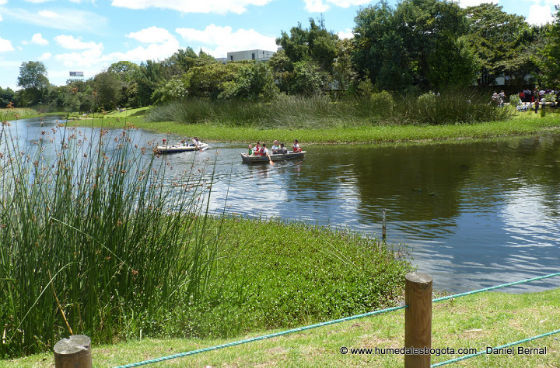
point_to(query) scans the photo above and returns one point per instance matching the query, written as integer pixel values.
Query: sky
(90, 35)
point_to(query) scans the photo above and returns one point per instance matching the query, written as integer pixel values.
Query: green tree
(501, 41)
(254, 81)
(550, 54)
(315, 43)
(6, 96)
(308, 79)
(33, 79)
(397, 48)
(107, 90)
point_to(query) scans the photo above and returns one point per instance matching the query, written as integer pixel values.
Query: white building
(257, 55)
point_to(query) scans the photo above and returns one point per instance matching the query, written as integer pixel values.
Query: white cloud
(39, 40)
(320, 6)
(45, 56)
(151, 35)
(37, 1)
(347, 33)
(3, 2)
(540, 14)
(91, 59)
(192, 6)
(64, 19)
(316, 6)
(72, 43)
(5, 45)
(1, 19)
(219, 40)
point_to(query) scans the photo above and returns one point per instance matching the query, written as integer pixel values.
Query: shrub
(382, 103)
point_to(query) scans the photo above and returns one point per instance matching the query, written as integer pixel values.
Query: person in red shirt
(296, 147)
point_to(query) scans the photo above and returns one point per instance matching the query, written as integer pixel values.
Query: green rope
(321, 324)
(499, 347)
(496, 287)
(269, 336)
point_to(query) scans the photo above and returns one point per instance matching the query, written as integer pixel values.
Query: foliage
(107, 90)
(313, 44)
(551, 53)
(6, 96)
(414, 44)
(382, 103)
(90, 222)
(33, 79)
(501, 42)
(254, 81)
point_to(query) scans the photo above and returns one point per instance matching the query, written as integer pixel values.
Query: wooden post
(384, 227)
(74, 352)
(418, 318)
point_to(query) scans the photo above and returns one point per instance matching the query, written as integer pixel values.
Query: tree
(6, 96)
(254, 81)
(501, 42)
(551, 54)
(33, 79)
(107, 90)
(410, 46)
(315, 43)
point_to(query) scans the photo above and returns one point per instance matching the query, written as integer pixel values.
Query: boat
(181, 148)
(274, 157)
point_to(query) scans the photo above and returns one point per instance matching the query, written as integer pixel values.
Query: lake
(471, 214)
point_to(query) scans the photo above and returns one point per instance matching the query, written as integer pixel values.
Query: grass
(521, 124)
(489, 319)
(17, 113)
(116, 251)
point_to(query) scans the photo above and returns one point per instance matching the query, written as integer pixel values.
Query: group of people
(276, 149)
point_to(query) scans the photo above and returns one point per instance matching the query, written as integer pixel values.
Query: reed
(91, 241)
(319, 112)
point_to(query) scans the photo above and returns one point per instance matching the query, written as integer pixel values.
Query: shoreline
(355, 135)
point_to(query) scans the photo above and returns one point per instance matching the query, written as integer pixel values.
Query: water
(470, 214)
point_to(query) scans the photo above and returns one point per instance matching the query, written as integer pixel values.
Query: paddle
(270, 160)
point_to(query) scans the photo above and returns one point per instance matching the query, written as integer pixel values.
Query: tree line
(413, 47)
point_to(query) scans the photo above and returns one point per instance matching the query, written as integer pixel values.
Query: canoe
(274, 157)
(180, 148)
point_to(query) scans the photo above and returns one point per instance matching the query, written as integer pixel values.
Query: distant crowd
(528, 98)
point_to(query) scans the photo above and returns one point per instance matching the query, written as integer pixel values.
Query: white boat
(274, 157)
(181, 148)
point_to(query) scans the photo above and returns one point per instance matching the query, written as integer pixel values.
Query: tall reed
(325, 112)
(91, 240)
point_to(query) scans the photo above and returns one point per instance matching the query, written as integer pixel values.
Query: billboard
(76, 74)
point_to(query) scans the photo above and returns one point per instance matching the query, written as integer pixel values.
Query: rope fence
(368, 314)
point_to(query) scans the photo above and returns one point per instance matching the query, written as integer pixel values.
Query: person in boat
(265, 152)
(275, 147)
(196, 142)
(283, 150)
(296, 148)
(250, 152)
(257, 150)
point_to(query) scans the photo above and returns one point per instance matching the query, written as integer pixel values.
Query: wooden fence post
(418, 318)
(384, 227)
(74, 352)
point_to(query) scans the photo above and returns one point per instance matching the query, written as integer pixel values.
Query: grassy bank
(489, 319)
(522, 124)
(17, 113)
(117, 252)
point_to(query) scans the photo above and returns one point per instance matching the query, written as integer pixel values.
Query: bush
(382, 103)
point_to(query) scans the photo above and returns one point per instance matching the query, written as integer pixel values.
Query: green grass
(522, 124)
(116, 253)
(17, 113)
(489, 319)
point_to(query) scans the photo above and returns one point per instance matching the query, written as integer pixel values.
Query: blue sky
(89, 35)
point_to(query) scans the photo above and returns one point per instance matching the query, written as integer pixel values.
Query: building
(257, 55)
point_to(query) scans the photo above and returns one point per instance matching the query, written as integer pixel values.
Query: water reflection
(471, 214)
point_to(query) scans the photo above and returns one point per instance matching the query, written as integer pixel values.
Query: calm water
(470, 214)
